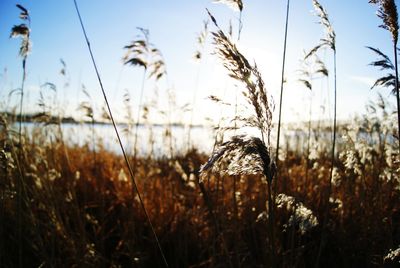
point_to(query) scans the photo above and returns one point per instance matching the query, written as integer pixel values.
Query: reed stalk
(144, 54)
(198, 56)
(22, 31)
(328, 41)
(282, 83)
(119, 139)
(387, 11)
(256, 95)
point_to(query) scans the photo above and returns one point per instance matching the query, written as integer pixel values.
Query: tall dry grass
(387, 11)
(247, 155)
(141, 52)
(282, 83)
(328, 41)
(63, 223)
(311, 69)
(23, 31)
(155, 71)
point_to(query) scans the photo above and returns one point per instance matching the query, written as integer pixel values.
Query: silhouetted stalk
(60, 131)
(201, 39)
(271, 223)
(93, 139)
(20, 187)
(168, 130)
(169, 113)
(22, 31)
(192, 112)
(387, 11)
(327, 205)
(170, 137)
(21, 100)
(63, 72)
(88, 108)
(138, 119)
(281, 92)
(308, 82)
(308, 143)
(397, 90)
(20, 182)
(119, 139)
(334, 123)
(214, 220)
(330, 41)
(19, 157)
(236, 220)
(271, 196)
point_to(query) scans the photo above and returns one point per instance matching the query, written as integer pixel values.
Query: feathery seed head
(330, 39)
(388, 13)
(240, 69)
(144, 54)
(301, 216)
(22, 30)
(240, 156)
(384, 63)
(392, 256)
(24, 15)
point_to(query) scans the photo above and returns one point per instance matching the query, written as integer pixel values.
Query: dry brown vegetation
(82, 212)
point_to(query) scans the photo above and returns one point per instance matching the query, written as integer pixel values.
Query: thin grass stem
(138, 118)
(397, 90)
(118, 137)
(282, 82)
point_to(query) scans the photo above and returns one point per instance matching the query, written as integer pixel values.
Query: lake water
(152, 139)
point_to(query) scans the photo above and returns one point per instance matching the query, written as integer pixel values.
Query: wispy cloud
(364, 80)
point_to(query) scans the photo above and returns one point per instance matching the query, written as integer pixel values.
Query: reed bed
(85, 214)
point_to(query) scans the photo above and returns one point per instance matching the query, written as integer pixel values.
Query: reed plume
(300, 216)
(143, 53)
(384, 63)
(328, 41)
(387, 11)
(23, 31)
(241, 155)
(255, 92)
(252, 154)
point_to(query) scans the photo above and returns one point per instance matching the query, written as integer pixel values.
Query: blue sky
(174, 26)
